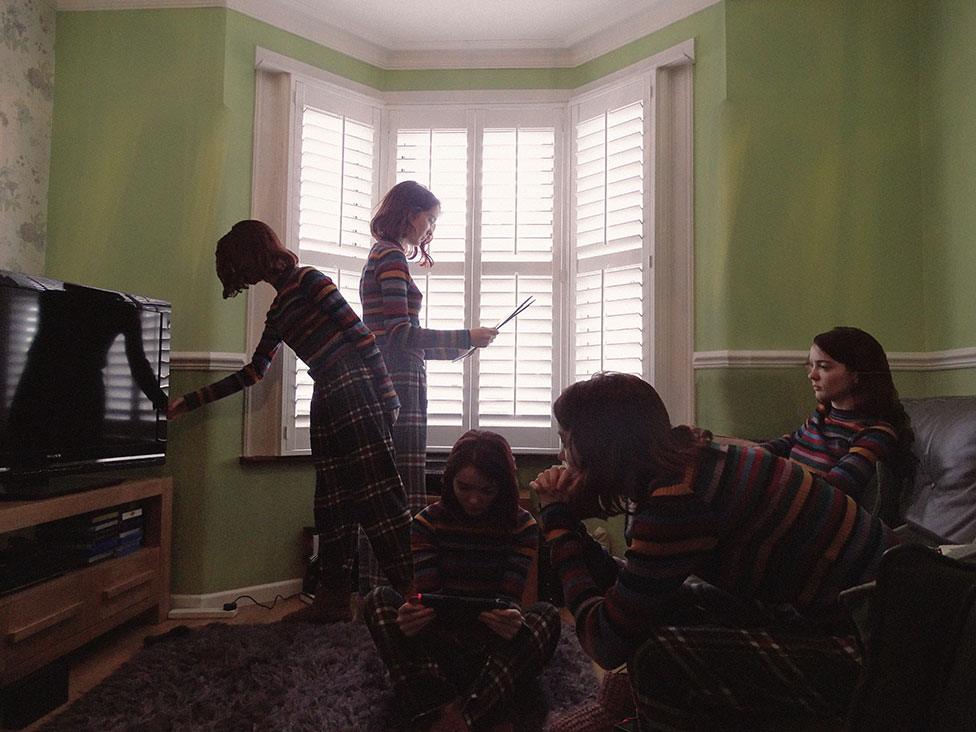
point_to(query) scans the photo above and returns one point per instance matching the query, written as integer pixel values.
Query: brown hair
(874, 391)
(392, 217)
(491, 455)
(621, 439)
(250, 252)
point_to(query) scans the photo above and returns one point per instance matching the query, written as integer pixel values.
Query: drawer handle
(16, 636)
(129, 584)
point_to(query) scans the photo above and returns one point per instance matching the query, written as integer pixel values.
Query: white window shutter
(438, 159)
(334, 210)
(609, 243)
(517, 216)
(443, 309)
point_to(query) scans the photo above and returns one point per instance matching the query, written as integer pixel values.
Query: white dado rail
(956, 358)
(206, 361)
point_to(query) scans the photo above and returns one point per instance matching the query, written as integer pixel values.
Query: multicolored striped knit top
(839, 445)
(472, 556)
(391, 308)
(314, 319)
(755, 525)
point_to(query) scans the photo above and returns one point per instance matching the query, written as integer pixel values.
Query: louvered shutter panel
(438, 159)
(517, 209)
(334, 211)
(609, 313)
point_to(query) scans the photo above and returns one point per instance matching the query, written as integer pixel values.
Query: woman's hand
(481, 337)
(176, 408)
(413, 618)
(505, 623)
(555, 485)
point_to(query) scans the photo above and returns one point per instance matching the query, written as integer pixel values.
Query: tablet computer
(460, 603)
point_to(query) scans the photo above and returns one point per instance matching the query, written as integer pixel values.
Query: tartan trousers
(356, 481)
(460, 658)
(410, 447)
(727, 664)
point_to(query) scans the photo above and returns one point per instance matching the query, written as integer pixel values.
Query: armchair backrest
(943, 499)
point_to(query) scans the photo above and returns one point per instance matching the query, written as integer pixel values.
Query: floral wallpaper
(26, 103)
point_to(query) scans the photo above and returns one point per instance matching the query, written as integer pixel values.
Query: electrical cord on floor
(233, 605)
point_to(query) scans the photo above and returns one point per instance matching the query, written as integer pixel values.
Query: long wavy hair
(874, 391)
(491, 455)
(249, 252)
(622, 440)
(392, 218)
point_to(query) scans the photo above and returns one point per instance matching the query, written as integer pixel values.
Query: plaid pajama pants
(706, 672)
(463, 659)
(356, 481)
(410, 446)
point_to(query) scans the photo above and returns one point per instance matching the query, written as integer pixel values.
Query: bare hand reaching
(482, 337)
(177, 408)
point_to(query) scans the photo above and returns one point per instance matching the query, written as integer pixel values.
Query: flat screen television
(84, 375)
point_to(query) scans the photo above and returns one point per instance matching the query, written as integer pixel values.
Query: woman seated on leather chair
(759, 632)
(859, 420)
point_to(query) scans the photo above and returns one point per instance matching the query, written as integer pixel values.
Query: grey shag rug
(277, 676)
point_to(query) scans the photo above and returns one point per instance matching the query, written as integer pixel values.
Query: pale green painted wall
(819, 178)
(806, 185)
(948, 142)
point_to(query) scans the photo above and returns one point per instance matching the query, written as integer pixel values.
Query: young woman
(353, 406)
(859, 420)
(461, 671)
(760, 632)
(403, 227)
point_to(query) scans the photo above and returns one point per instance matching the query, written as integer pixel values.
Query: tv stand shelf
(41, 623)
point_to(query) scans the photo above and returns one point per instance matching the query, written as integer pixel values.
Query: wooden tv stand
(43, 622)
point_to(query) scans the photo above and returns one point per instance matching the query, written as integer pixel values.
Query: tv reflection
(61, 399)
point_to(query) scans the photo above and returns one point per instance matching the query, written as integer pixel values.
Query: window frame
(475, 118)
(668, 214)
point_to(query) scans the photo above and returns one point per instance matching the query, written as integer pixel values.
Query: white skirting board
(211, 605)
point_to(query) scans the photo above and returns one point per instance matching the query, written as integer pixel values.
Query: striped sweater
(839, 445)
(314, 319)
(472, 556)
(391, 308)
(757, 526)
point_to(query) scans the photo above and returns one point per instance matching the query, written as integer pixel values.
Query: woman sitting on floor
(460, 670)
(761, 632)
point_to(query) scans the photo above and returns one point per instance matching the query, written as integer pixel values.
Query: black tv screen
(84, 375)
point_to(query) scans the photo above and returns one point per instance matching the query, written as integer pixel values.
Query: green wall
(948, 152)
(813, 134)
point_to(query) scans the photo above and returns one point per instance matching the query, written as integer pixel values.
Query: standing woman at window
(403, 227)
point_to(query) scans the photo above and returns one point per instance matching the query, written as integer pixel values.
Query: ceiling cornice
(294, 17)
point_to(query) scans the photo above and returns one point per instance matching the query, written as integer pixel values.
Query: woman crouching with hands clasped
(454, 667)
(726, 609)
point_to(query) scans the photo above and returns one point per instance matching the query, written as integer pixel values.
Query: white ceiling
(423, 34)
(423, 24)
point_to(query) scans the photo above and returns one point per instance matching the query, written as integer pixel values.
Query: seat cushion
(943, 499)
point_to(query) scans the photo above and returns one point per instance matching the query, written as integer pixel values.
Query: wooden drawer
(120, 584)
(34, 621)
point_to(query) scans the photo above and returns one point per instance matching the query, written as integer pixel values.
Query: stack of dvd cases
(130, 530)
(93, 537)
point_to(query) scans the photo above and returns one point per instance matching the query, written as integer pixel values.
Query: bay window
(549, 199)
